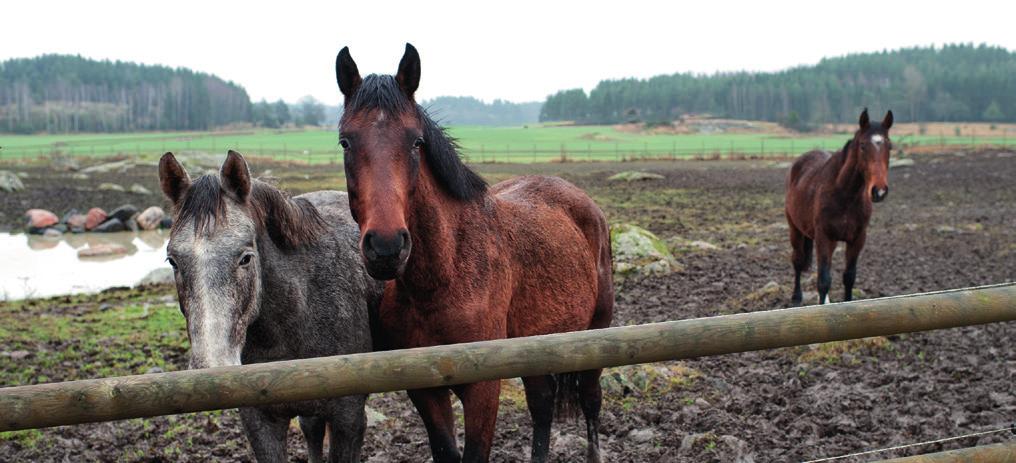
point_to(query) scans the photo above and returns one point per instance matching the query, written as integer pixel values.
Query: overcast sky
(514, 50)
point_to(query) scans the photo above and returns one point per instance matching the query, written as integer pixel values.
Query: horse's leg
(313, 428)
(349, 422)
(266, 434)
(850, 271)
(479, 405)
(801, 258)
(824, 248)
(435, 407)
(591, 397)
(540, 392)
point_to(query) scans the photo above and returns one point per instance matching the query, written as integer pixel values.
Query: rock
(124, 213)
(59, 227)
(639, 251)
(76, 221)
(110, 187)
(167, 222)
(641, 435)
(102, 250)
(151, 218)
(138, 189)
(65, 163)
(79, 176)
(18, 354)
(906, 162)
(110, 225)
(703, 245)
(153, 370)
(10, 182)
(67, 215)
(633, 176)
(117, 166)
(94, 217)
(159, 276)
(39, 219)
(52, 233)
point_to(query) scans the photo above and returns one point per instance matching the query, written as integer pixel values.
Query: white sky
(515, 50)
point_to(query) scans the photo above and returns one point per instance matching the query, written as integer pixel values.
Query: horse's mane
(290, 223)
(383, 92)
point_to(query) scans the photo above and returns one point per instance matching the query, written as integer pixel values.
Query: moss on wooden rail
(137, 396)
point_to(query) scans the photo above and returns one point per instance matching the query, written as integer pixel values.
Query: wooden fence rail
(108, 399)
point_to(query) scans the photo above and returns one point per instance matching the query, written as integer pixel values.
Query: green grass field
(479, 144)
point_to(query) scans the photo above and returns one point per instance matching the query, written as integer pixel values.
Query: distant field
(480, 144)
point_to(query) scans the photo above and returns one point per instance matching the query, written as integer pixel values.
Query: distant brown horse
(829, 198)
(528, 256)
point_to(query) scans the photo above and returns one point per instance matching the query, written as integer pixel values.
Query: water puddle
(34, 266)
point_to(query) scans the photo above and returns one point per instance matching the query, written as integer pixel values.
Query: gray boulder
(9, 182)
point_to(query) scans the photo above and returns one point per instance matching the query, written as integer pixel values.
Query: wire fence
(766, 148)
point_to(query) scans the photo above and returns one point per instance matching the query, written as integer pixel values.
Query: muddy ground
(949, 221)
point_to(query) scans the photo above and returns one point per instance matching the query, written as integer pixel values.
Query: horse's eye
(344, 143)
(172, 263)
(418, 142)
(245, 259)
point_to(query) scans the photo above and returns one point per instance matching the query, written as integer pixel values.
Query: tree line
(61, 93)
(960, 82)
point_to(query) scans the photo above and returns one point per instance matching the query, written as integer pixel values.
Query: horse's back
(808, 163)
(547, 217)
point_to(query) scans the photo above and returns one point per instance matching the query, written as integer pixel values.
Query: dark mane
(290, 223)
(442, 155)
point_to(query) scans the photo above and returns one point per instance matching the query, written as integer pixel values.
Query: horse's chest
(453, 321)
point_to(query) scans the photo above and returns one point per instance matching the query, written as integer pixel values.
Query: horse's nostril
(403, 238)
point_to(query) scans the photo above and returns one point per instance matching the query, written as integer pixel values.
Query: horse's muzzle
(878, 194)
(383, 256)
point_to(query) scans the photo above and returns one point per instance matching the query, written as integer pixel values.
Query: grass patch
(833, 352)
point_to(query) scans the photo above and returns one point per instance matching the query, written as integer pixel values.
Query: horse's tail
(566, 400)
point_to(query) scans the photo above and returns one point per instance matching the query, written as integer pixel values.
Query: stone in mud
(111, 187)
(39, 219)
(159, 276)
(139, 190)
(10, 182)
(94, 218)
(76, 221)
(52, 233)
(123, 213)
(634, 176)
(110, 225)
(639, 251)
(151, 218)
(102, 250)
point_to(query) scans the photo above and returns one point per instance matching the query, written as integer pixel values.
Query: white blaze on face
(877, 140)
(212, 343)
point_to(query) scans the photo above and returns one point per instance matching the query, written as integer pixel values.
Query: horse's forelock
(289, 223)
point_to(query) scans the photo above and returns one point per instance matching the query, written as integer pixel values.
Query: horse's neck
(435, 225)
(849, 176)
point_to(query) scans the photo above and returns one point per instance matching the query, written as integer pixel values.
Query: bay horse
(467, 262)
(261, 278)
(829, 199)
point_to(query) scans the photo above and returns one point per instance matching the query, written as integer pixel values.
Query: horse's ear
(865, 122)
(888, 121)
(346, 73)
(235, 176)
(408, 76)
(173, 178)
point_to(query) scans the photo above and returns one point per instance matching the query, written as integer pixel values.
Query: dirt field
(948, 222)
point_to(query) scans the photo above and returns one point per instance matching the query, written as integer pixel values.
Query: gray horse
(261, 278)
